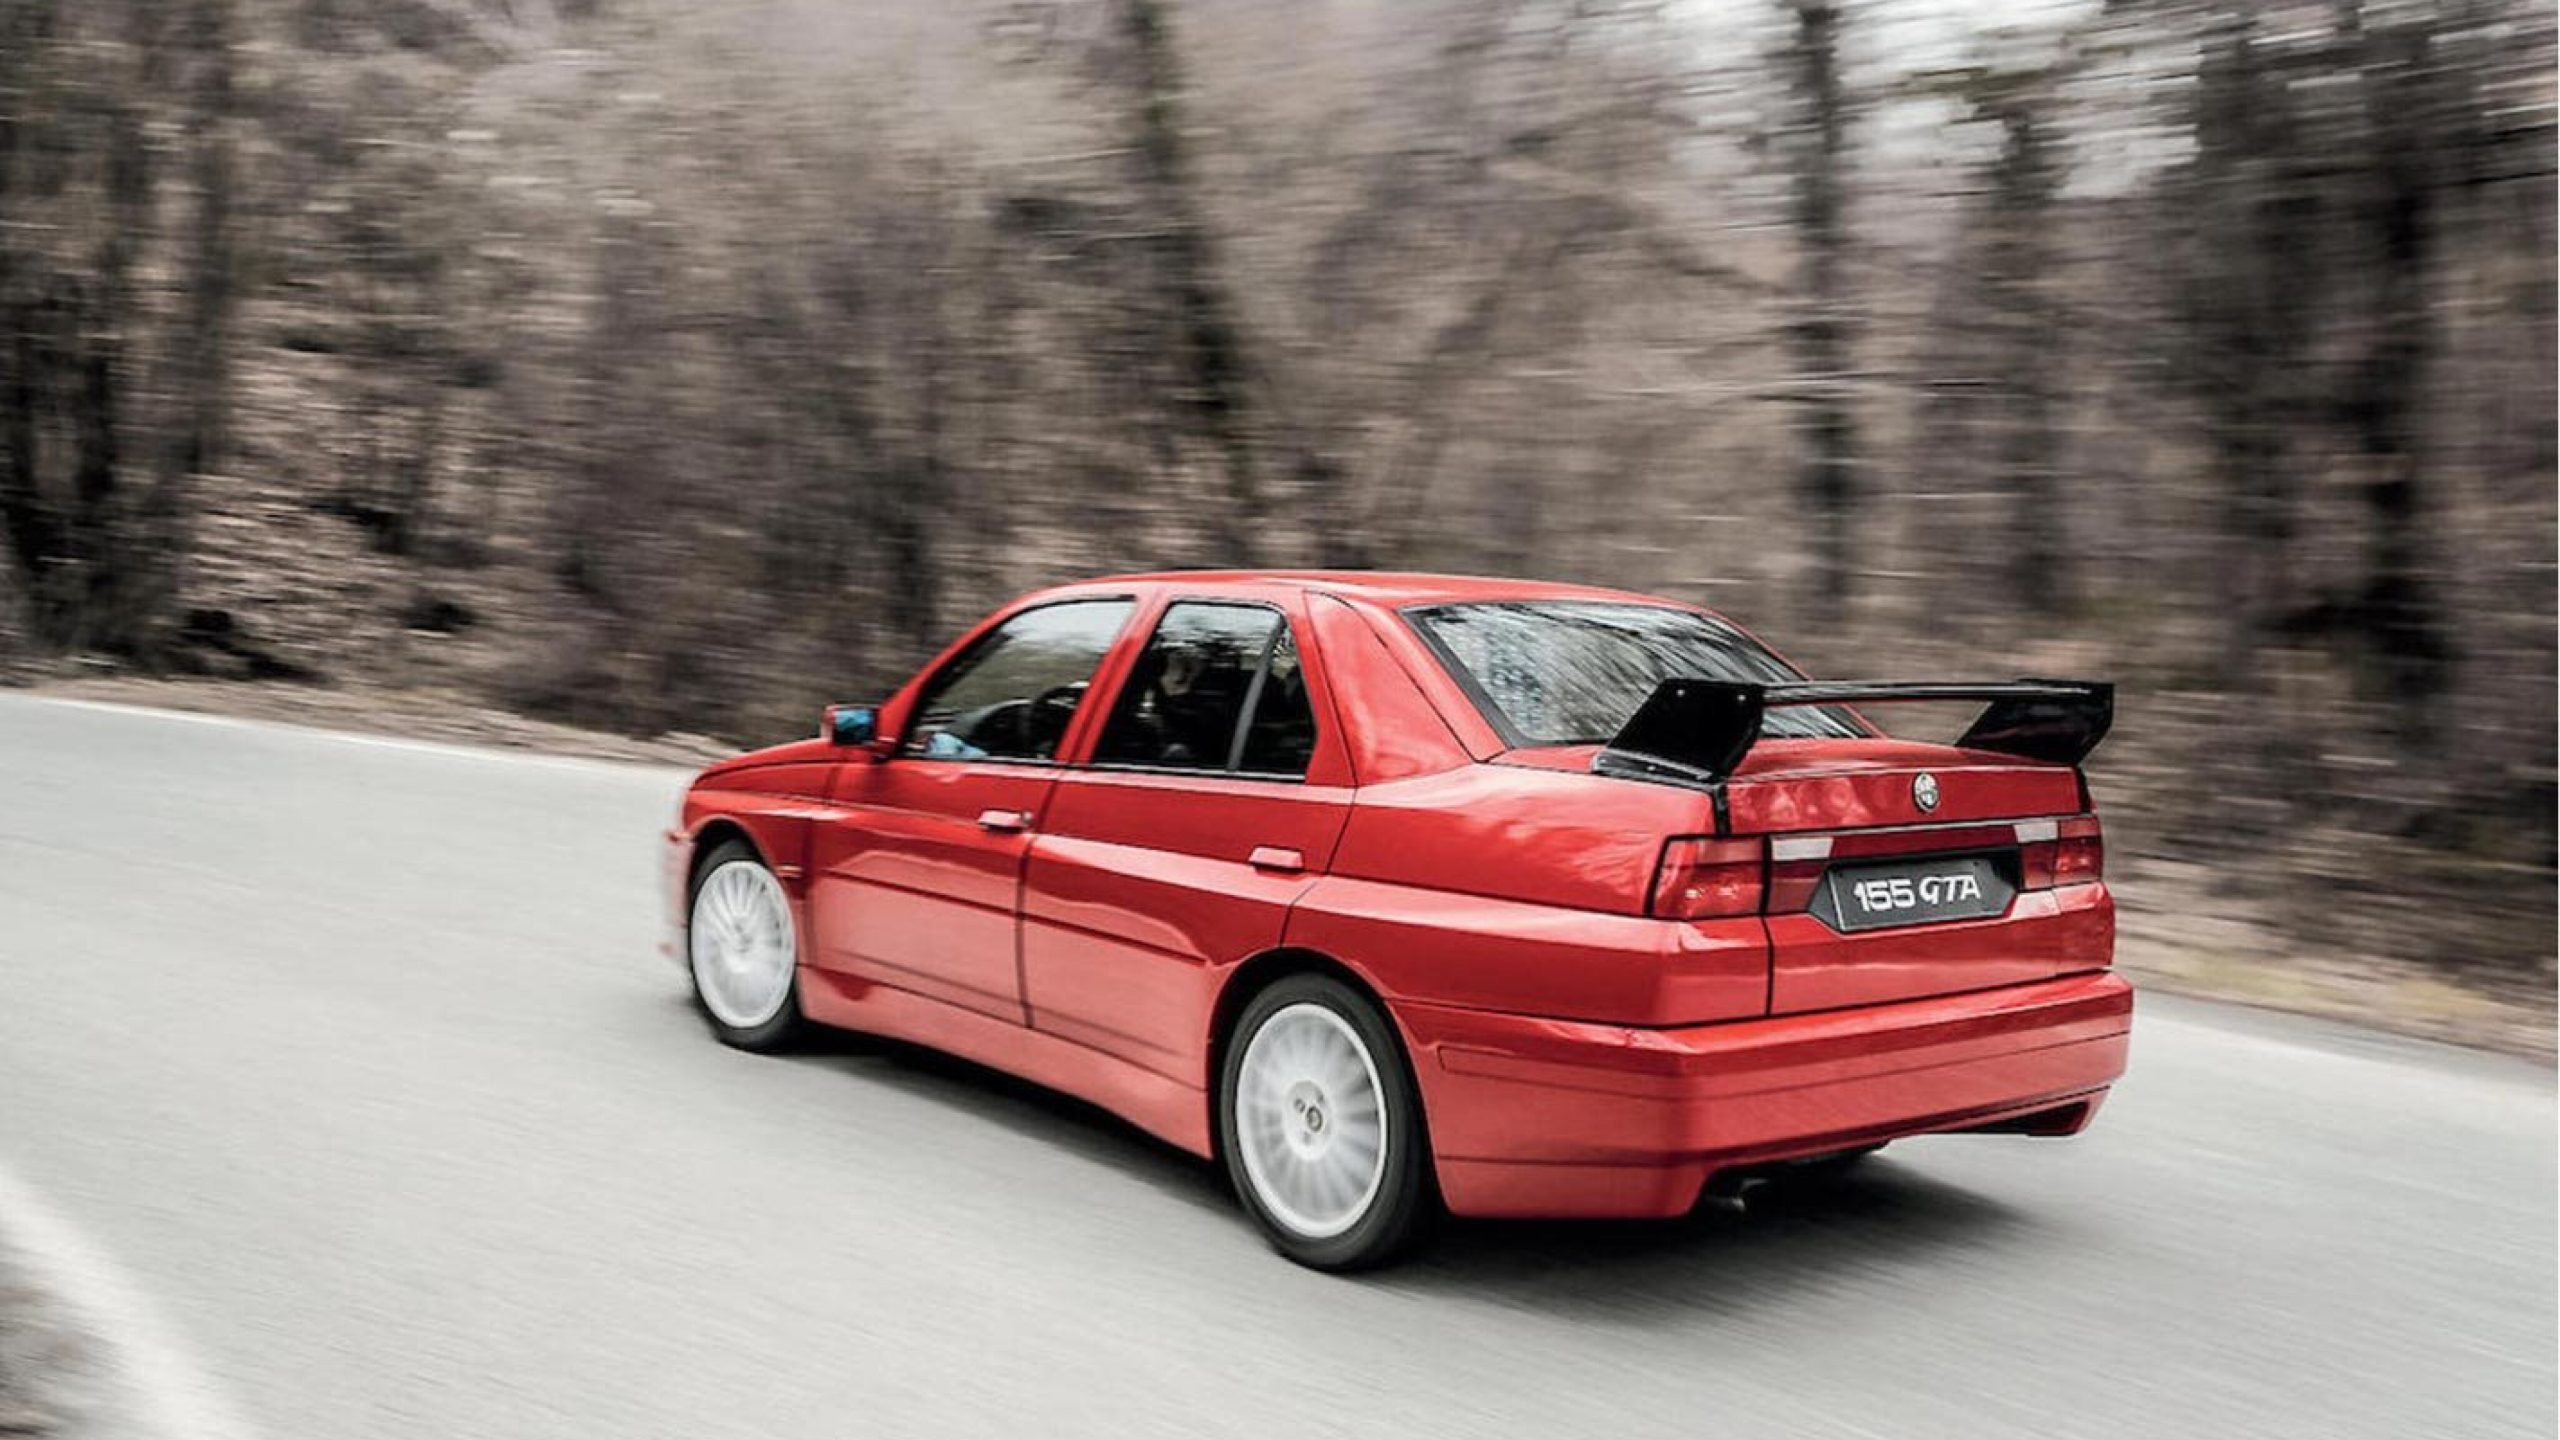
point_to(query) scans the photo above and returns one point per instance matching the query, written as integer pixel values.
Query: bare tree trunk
(2023, 186)
(2398, 607)
(2248, 319)
(913, 501)
(1209, 360)
(200, 373)
(33, 530)
(98, 423)
(204, 367)
(1825, 421)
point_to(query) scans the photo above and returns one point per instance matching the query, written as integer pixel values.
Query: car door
(1215, 788)
(916, 872)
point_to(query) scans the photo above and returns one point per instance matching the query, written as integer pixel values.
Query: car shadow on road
(1790, 1234)
(1027, 1109)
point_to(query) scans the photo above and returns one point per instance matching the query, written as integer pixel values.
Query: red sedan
(1405, 892)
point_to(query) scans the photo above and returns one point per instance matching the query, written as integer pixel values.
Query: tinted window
(1218, 688)
(1010, 696)
(1573, 672)
(1282, 737)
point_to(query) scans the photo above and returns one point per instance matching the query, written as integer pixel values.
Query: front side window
(1572, 672)
(1218, 688)
(1010, 696)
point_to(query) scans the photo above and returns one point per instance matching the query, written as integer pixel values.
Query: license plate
(1914, 892)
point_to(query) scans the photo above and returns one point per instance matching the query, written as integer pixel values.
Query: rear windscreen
(1572, 672)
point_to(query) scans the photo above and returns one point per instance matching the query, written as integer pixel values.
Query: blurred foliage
(650, 364)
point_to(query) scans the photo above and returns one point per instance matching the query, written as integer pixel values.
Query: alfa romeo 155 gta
(1407, 894)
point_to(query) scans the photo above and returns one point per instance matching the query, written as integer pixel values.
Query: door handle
(1004, 821)
(1274, 857)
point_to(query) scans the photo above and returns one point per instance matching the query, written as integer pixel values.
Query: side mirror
(851, 725)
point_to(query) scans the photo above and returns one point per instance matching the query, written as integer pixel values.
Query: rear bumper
(1534, 1117)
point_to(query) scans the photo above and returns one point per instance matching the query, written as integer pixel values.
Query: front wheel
(1320, 1126)
(743, 950)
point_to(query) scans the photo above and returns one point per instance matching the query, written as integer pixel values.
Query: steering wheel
(1051, 709)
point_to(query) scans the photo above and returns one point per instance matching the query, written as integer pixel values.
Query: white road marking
(450, 748)
(157, 1380)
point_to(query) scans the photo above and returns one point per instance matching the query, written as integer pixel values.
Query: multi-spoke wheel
(742, 950)
(1320, 1127)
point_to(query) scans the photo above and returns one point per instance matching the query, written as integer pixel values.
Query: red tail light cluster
(1702, 879)
(2060, 852)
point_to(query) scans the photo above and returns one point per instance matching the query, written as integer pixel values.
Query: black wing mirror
(851, 725)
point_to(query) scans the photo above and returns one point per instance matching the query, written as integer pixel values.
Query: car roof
(1391, 588)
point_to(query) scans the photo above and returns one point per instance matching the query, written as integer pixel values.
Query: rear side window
(1281, 736)
(1219, 688)
(1572, 672)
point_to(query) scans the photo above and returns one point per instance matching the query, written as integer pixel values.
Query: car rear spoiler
(1699, 730)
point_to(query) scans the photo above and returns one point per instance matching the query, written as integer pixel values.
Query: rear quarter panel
(1510, 888)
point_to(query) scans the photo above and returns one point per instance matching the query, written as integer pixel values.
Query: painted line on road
(450, 748)
(161, 1386)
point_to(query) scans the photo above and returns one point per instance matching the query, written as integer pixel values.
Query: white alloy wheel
(1310, 1121)
(741, 945)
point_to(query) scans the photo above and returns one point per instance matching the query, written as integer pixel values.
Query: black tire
(787, 1027)
(1405, 1199)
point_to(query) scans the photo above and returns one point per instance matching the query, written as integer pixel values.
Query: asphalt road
(359, 1060)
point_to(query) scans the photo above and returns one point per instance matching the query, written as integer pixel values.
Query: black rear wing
(1699, 730)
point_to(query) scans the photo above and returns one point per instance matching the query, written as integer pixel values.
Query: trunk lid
(1785, 785)
(1899, 869)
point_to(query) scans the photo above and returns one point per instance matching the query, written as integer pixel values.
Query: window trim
(1245, 715)
(925, 690)
(1511, 735)
(1233, 770)
(1177, 772)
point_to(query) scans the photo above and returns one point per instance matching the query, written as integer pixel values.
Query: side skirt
(1168, 1109)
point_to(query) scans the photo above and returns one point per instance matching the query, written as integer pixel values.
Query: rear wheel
(1320, 1126)
(743, 950)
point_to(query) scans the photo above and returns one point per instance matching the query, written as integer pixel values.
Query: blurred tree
(2413, 109)
(1203, 340)
(2248, 302)
(115, 397)
(2019, 267)
(1822, 328)
(2002, 332)
(655, 363)
(203, 364)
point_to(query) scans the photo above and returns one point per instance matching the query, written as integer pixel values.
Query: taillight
(2060, 852)
(2080, 852)
(1702, 879)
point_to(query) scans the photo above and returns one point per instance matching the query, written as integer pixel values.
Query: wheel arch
(714, 833)
(1258, 973)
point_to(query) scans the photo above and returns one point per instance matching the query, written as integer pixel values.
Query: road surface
(359, 1060)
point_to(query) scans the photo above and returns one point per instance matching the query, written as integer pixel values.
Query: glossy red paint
(1085, 925)
(1551, 1118)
